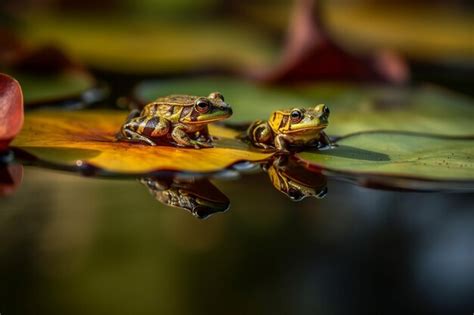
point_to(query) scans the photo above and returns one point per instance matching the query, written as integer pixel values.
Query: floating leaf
(353, 109)
(412, 156)
(11, 109)
(48, 88)
(80, 139)
(130, 45)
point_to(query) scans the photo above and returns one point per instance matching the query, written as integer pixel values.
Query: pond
(72, 244)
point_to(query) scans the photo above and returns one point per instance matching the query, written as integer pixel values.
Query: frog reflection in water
(295, 181)
(292, 129)
(181, 120)
(200, 197)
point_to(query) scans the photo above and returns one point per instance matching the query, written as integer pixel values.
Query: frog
(196, 195)
(291, 129)
(180, 120)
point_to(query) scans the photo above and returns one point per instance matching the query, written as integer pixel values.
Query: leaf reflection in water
(295, 181)
(11, 176)
(198, 196)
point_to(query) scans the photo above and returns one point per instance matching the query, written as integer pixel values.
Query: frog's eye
(217, 95)
(202, 106)
(296, 116)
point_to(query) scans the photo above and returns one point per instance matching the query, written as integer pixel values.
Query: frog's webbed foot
(322, 193)
(204, 144)
(131, 136)
(182, 139)
(206, 138)
(263, 146)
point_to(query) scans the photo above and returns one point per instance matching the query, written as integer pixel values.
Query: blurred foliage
(134, 45)
(353, 108)
(440, 32)
(48, 88)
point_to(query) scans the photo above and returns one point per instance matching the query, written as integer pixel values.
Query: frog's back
(176, 100)
(168, 104)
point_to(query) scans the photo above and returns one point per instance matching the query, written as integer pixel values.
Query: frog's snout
(323, 109)
(227, 109)
(326, 110)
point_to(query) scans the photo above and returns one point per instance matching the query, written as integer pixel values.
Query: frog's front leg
(281, 143)
(204, 136)
(182, 139)
(325, 141)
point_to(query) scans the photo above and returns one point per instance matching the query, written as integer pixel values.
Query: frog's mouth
(206, 121)
(200, 120)
(304, 130)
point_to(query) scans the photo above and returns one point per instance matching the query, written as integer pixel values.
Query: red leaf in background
(11, 109)
(11, 177)
(311, 54)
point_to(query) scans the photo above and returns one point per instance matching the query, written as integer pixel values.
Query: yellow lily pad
(353, 108)
(411, 156)
(75, 139)
(134, 45)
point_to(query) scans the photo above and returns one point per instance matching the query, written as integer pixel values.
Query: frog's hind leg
(260, 135)
(133, 114)
(127, 124)
(131, 132)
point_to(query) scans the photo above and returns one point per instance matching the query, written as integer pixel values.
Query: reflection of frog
(292, 128)
(178, 119)
(294, 180)
(199, 197)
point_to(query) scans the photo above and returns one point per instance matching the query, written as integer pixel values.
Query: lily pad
(86, 139)
(50, 88)
(353, 108)
(133, 45)
(405, 155)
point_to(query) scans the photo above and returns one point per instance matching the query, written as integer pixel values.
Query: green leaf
(353, 108)
(398, 154)
(45, 88)
(134, 45)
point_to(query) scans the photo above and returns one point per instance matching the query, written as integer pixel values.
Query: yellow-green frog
(181, 120)
(290, 129)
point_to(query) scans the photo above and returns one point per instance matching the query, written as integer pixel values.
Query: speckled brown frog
(180, 120)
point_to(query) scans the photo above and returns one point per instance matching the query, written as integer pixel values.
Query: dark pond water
(77, 245)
